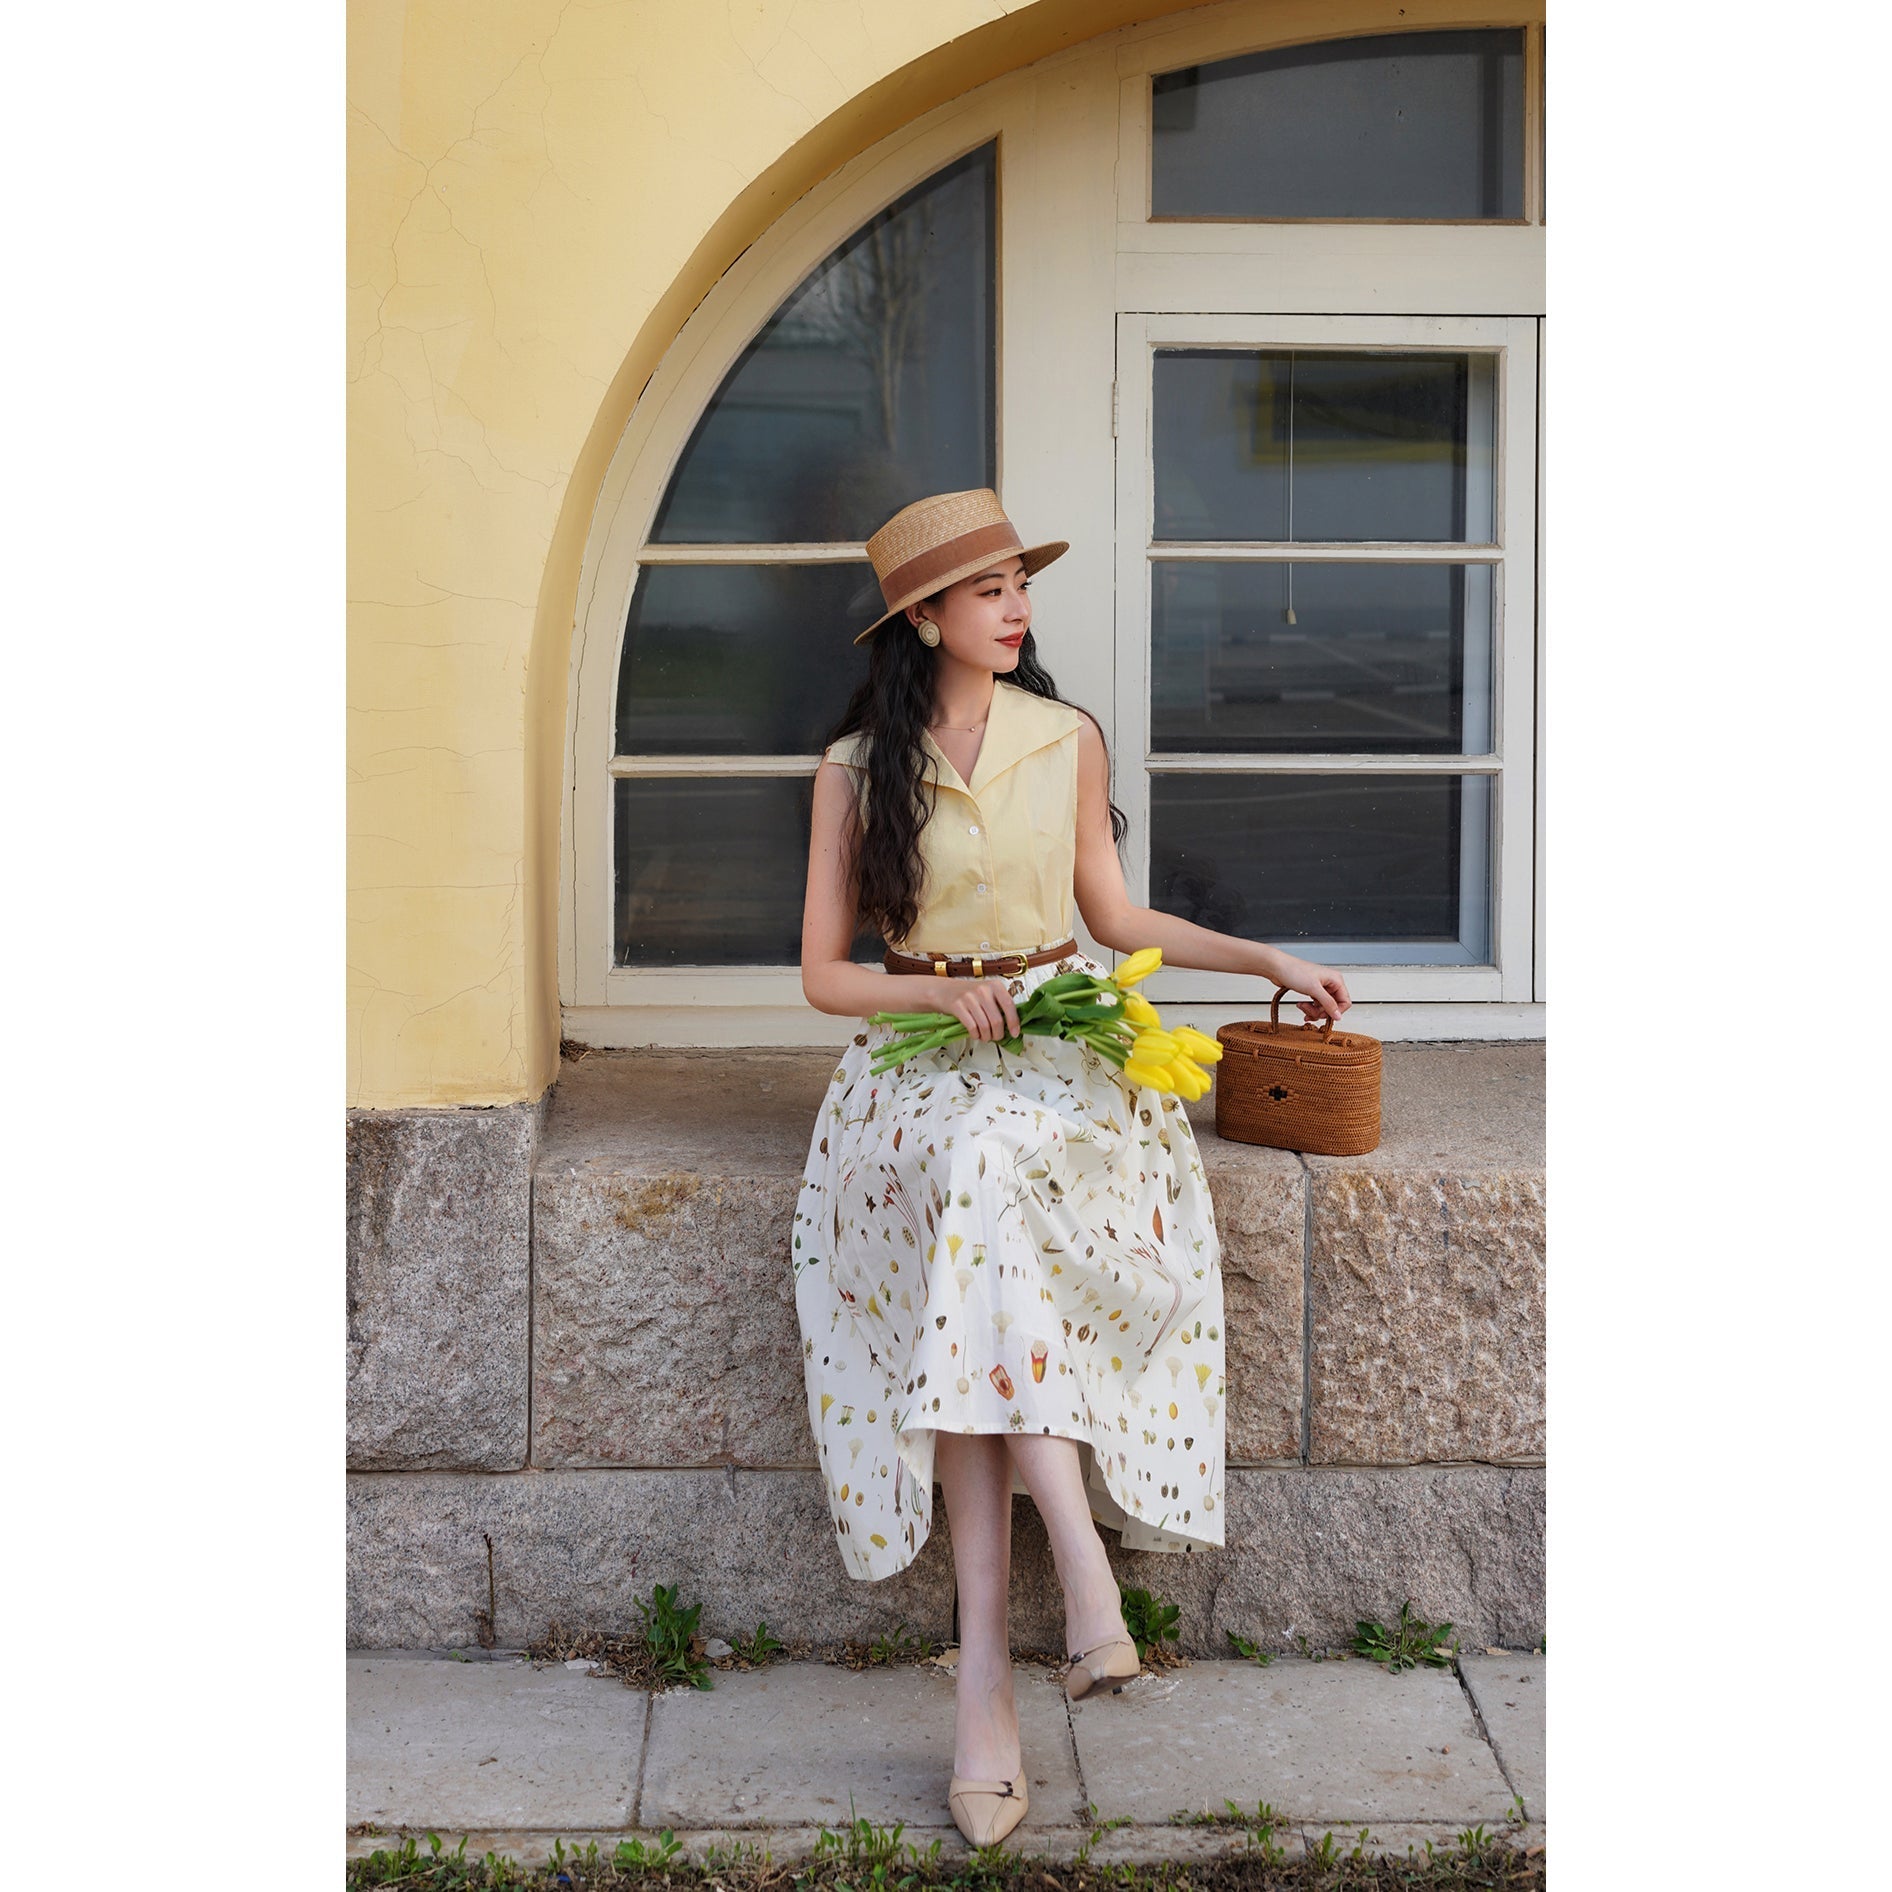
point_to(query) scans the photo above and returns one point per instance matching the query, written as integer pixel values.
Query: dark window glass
(1380, 659)
(1426, 125)
(871, 386)
(711, 871)
(1397, 864)
(1294, 445)
(741, 659)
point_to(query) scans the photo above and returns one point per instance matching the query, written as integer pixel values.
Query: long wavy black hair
(892, 708)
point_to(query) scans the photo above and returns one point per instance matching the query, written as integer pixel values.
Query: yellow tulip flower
(1139, 1011)
(1198, 1044)
(1189, 1082)
(1155, 1076)
(1155, 1047)
(1138, 966)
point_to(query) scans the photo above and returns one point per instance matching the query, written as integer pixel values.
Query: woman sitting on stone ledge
(1007, 1274)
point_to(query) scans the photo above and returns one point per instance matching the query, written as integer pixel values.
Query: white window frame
(1511, 554)
(1076, 255)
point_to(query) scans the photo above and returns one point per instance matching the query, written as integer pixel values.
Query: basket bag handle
(1324, 1024)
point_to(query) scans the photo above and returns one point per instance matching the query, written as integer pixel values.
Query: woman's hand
(983, 1006)
(1329, 989)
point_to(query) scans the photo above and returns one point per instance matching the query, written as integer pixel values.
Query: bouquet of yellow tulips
(1109, 1015)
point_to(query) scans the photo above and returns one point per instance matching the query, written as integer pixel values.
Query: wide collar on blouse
(1018, 724)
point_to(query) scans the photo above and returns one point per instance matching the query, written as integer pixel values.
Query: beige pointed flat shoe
(1120, 1666)
(1008, 1804)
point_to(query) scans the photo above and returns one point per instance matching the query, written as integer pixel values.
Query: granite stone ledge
(1428, 1317)
(1427, 1268)
(439, 1286)
(1310, 1552)
(1323, 1548)
(578, 1548)
(664, 1329)
(1260, 1199)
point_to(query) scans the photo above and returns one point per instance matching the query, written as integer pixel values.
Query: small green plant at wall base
(635, 1856)
(896, 1643)
(1149, 1619)
(669, 1633)
(1261, 1839)
(756, 1648)
(1410, 1642)
(863, 1846)
(405, 1866)
(1251, 1651)
(1098, 1828)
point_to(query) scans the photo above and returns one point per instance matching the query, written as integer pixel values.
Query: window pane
(1397, 125)
(1292, 445)
(741, 659)
(711, 871)
(871, 386)
(1388, 659)
(1372, 868)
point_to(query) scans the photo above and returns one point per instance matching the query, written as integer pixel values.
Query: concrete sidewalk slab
(1339, 1742)
(789, 1745)
(511, 1756)
(1509, 1691)
(458, 1745)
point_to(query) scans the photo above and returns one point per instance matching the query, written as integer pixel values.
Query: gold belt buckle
(939, 968)
(978, 967)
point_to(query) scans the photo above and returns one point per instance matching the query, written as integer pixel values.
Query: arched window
(1166, 293)
(873, 384)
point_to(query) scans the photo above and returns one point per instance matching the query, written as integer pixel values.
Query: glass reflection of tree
(869, 304)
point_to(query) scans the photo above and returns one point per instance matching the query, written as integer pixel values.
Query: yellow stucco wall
(538, 195)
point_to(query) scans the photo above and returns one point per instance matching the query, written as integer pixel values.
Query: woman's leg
(1054, 1475)
(976, 1477)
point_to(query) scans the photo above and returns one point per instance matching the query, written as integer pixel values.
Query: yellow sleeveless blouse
(999, 852)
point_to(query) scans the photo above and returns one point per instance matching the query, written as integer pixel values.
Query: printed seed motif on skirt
(1008, 1241)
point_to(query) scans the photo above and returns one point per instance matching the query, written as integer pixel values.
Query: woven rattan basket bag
(1298, 1087)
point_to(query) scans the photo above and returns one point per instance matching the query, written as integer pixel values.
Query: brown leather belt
(976, 965)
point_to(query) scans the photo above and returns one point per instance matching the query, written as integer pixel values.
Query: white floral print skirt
(1009, 1241)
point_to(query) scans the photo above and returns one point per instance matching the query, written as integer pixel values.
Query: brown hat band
(922, 574)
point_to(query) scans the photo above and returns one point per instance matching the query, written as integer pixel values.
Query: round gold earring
(929, 631)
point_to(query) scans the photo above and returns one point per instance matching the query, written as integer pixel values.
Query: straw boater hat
(935, 542)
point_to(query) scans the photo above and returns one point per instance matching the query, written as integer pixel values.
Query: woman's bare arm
(1114, 921)
(832, 982)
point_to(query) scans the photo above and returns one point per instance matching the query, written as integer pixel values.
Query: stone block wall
(576, 1372)
(439, 1287)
